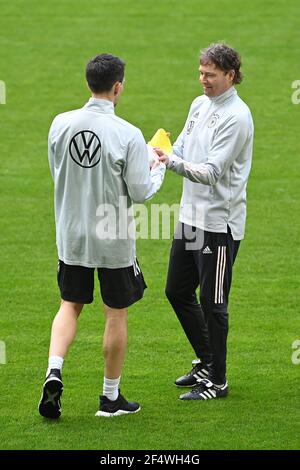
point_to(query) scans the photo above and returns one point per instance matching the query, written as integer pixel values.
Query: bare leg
(114, 341)
(64, 328)
(63, 332)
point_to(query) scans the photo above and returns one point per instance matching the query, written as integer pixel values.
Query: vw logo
(85, 149)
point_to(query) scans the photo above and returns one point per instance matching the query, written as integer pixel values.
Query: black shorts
(119, 287)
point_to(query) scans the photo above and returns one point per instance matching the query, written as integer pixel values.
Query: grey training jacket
(100, 166)
(214, 154)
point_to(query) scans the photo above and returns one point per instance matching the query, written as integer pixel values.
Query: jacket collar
(100, 105)
(224, 96)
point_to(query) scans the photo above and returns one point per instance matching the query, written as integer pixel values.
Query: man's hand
(153, 158)
(156, 162)
(163, 158)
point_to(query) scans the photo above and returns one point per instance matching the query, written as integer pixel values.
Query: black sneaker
(198, 372)
(50, 406)
(206, 390)
(120, 406)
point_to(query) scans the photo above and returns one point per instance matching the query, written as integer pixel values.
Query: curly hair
(224, 57)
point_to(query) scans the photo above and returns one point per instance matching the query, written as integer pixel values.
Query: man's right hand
(163, 158)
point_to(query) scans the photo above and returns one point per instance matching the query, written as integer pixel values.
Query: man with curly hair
(213, 153)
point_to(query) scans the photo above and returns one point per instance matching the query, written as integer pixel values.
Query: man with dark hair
(213, 153)
(100, 165)
(103, 71)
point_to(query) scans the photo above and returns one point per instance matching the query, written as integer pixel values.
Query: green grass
(43, 50)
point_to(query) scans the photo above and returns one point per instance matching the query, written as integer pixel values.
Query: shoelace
(202, 387)
(196, 368)
(122, 400)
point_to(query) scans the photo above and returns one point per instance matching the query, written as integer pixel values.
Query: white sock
(220, 386)
(111, 388)
(55, 362)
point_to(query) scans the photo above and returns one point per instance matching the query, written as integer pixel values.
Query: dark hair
(103, 71)
(224, 57)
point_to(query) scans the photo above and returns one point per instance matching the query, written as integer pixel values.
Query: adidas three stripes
(203, 259)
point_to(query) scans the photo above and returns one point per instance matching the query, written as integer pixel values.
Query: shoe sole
(185, 386)
(51, 409)
(193, 385)
(105, 414)
(203, 399)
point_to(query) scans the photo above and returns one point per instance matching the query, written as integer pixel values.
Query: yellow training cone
(161, 140)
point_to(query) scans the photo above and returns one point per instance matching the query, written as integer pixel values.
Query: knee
(171, 293)
(176, 295)
(115, 318)
(73, 307)
(213, 310)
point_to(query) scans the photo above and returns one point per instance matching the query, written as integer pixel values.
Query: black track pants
(204, 259)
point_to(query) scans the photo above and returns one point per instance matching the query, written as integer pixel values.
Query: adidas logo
(207, 251)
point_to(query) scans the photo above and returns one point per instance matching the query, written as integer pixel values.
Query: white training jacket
(214, 154)
(100, 166)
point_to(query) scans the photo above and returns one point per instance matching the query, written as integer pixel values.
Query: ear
(117, 88)
(231, 74)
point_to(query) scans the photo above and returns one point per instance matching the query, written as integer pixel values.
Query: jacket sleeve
(51, 146)
(142, 183)
(227, 145)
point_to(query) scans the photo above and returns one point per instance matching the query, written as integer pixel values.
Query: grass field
(44, 47)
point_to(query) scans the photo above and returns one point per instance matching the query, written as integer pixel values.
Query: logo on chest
(213, 120)
(190, 127)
